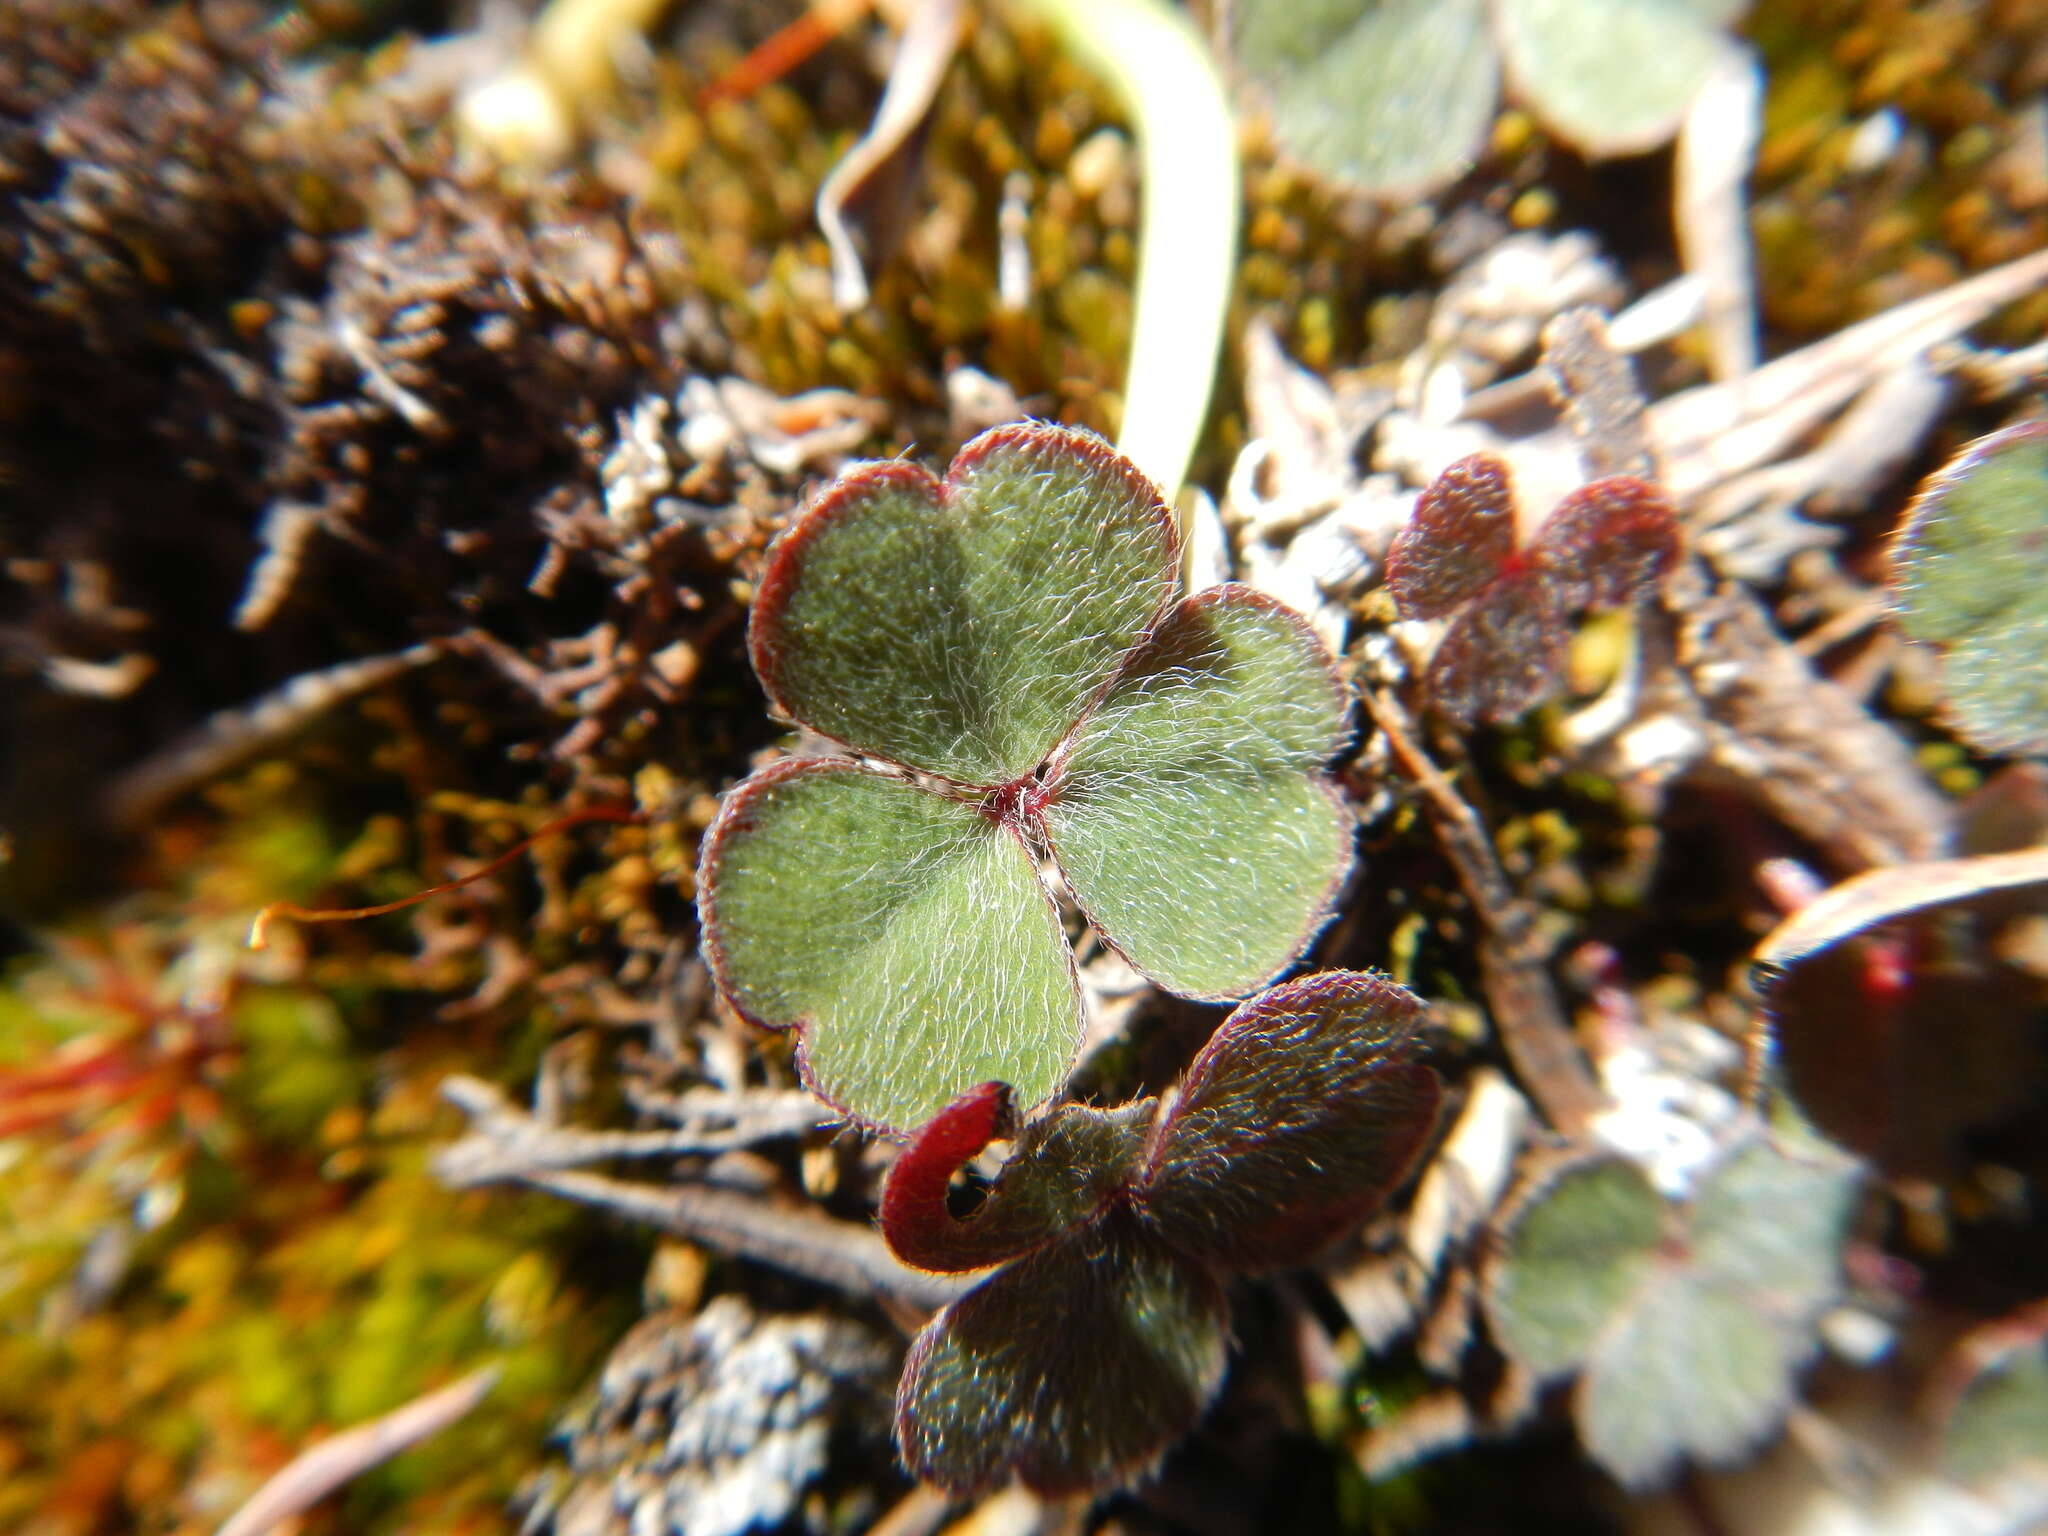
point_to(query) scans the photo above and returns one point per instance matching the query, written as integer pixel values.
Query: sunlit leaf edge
(766, 642)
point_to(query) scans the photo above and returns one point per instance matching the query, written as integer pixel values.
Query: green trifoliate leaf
(1692, 1369)
(1578, 1245)
(1072, 1368)
(1302, 1113)
(1970, 574)
(1612, 76)
(906, 934)
(1688, 1322)
(1190, 814)
(962, 626)
(1392, 96)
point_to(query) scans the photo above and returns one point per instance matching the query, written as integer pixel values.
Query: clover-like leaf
(1303, 1112)
(1189, 814)
(908, 933)
(1073, 1368)
(1389, 95)
(1102, 1340)
(1969, 570)
(1394, 96)
(1612, 76)
(1606, 545)
(1686, 1324)
(1577, 1246)
(1002, 649)
(961, 626)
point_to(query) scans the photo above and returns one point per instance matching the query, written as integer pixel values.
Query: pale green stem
(1162, 71)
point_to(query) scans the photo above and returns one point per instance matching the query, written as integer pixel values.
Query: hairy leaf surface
(1969, 573)
(1461, 535)
(1503, 654)
(1074, 1367)
(962, 626)
(1191, 816)
(908, 933)
(1302, 1113)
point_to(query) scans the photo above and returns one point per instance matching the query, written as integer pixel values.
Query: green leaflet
(1576, 1253)
(907, 932)
(961, 627)
(1074, 1367)
(1687, 1324)
(1968, 573)
(1613, 76)
(1999, 1423)
(1190, 818)
(1693, 1368)
(1390, 95)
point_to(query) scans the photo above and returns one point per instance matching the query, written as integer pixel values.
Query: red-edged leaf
(962, 626)
(1462, 534)
(1073, 1368)
(1066, 1168)
(1607, 544)
(1300, 1115)
(1502, 655)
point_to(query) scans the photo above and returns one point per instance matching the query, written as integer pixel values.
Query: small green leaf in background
(1390, 96)
(1004, 650)
(1394, 97)
(1102, 1341)
(1686, 1323)
(1613, 77)
(1970, 575)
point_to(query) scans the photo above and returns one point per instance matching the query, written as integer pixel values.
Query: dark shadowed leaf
(1066, 1167)
(1970, 574)
(1191, 816)
(1503, 654)
(1391, 96)
(1072, 1368)
(1578, 1242)
(1612, 76)
(1302, 1113)
(836, 899)
(961, 627)
(1608, 544)
(1461, 535)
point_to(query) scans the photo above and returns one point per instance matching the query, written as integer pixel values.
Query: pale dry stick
(930, 37)
(850, 1258)
(1716, 148)
(232, 736)
(1533, 1028)
(504, 1143)
(1708, 435)
(320, 1469)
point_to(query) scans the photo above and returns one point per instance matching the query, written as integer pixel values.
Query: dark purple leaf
(1503, 654)
(1066, 1168)
(1073, 1368)
(1607, 544)
(1462, 534)
(1300, 1115)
